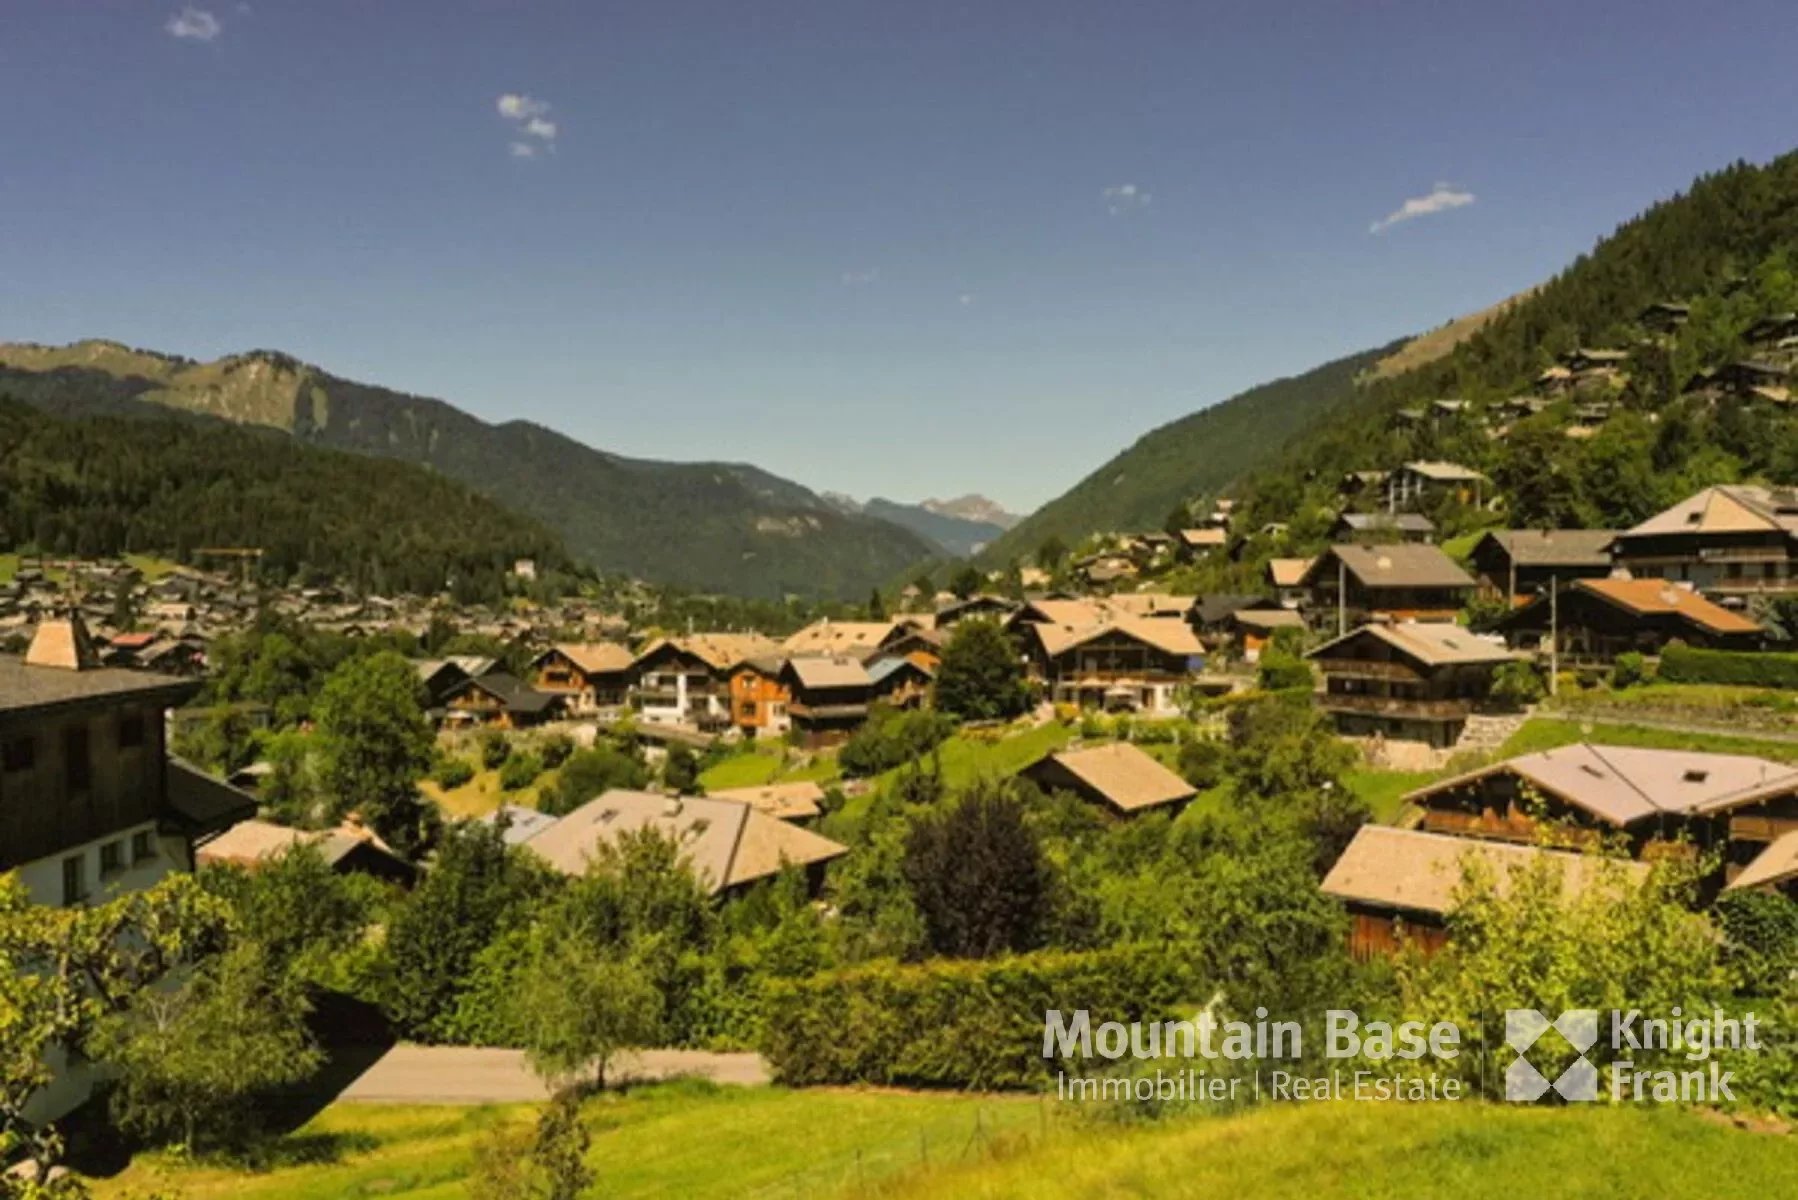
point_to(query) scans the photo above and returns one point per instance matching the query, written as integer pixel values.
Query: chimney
(62, 643)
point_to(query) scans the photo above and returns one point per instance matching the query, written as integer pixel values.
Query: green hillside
(1195, 455)
(1728, 247)
(104, 486)
(717, 526)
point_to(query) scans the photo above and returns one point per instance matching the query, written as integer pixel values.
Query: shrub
(1760, 930)
(589, 773)
(494, 749)
(1629, 670)
(1204, 762)
(962, 1024)
(453, 772)
(1681, 663)
(1280, 670)
(1517, 685)
(893, 737)
(520, 771)
(555, 749)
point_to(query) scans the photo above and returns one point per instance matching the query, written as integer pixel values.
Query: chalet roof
(1726, 508)
(784, 801)
(719, 651)
(594, 658)
(1204, 537)
(1374, 522)
(31, 690)
(1414, 871)
(1624, 784)
(251, 842)
(522, 823)
(1646, 597)
(510, 691)
(838, 637)
(1147, 604)
(1287, 572)
(1433, 644)
(1443, 472)
(1166, 634)
(1268, 618)
(62, 643)
(1402, 564)
(1552, 547)
(880, 668)
(1124, 775)
(1772, 327)
(1776, 864)
(203, 803)
(726, 842)
(829, 671)
(1215, 609)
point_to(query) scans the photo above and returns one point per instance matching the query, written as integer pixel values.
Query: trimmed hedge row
(957, 1023)
(1681, 663)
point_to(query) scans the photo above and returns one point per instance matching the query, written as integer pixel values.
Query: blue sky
(903, 249)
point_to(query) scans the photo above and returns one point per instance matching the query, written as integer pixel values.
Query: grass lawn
(689, 1140)
(1545, 733)
(768, 764)
(966, 758)
(152, 568)
(1384, 790)
(482, 794)
(1367, 1150)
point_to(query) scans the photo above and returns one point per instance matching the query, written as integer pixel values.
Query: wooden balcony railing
(1396, 706)
(1357, 668)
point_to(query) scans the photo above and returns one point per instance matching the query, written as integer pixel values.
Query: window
(74, 880)
(131, 731)
(112, 858)
(142, 846)
(20, 754)
(77, 767)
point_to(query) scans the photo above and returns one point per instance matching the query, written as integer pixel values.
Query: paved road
(463, 1075)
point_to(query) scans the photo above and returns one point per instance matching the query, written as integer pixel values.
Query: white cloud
(861, 278)
(1124, 198)
(966, 299)
(516, 106)
(194, 24)
(530, 119)
(1442, 198)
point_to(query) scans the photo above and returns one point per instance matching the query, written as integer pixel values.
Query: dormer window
(1697, 775)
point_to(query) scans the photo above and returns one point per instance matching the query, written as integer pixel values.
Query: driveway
(409, 1074)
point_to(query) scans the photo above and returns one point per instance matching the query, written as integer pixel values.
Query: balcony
(1360, 668)
(1396, 706)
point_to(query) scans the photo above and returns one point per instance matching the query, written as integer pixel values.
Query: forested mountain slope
(722, 526)
(104, 485)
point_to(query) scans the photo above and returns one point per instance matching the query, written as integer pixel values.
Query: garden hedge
(974, 1024)
(1681, 663)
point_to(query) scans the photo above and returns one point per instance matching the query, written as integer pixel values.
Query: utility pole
(1554, 633)
(1341, 596)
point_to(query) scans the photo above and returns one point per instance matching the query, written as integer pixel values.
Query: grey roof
(522, 824)
(27, 690)
(204, 803)
(1407, 522)
(1553, 547)
(1402, 564)
(881, 668)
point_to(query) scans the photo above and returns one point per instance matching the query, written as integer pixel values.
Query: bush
(1280, 671)
(1204, 763)
(453, 773)
(1517, 685)
(1681, 663)
(520, 771)
(1760, 930)
(1629, 670)
(893, 737)
(962, 1024)
(590, 773)
(555, 749)
(495, 749)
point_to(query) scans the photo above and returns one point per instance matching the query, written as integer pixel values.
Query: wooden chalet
(498, 700)
(1287, 578)
(590, 677)
(1655, 803)
(1425, 480)
(1664, 318)
(830, 695)
(1597, 619)
(1407, 681)
(1120, 663)
(901, 681)
(1383, 527)
(1730, 541)
(1399, 885)
(687, 680)
(981, 607)
(1117, 776)
(1519, 563)
(758, 698)
(1400, 581)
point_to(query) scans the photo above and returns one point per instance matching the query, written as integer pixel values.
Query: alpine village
(738, 828)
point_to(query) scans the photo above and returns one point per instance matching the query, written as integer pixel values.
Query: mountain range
(711, 526)
(958, 528)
